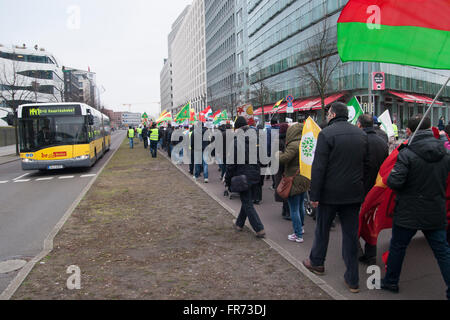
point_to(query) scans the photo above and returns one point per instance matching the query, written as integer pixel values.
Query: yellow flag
(308, 146)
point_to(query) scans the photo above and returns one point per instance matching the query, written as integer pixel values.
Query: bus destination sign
(51, 111)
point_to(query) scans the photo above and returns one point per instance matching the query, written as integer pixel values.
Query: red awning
(269, 109)
(315, 103)
(416, 98)
(301, 105)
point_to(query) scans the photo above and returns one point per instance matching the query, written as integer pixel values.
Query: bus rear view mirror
(91, 120)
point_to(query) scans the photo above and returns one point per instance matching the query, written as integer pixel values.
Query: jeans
(131, 143)
(140, 137)
(401, 237)
(349, 217)
(297, 211)
(198, 168)
(153, 148)
(248, 210)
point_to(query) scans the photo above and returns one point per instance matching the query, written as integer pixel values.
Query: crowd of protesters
(345, 168)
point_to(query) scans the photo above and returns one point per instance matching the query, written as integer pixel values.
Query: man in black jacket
(338, 173)
(378, 152)
(252, 172)
(145, 136)
(419, 179)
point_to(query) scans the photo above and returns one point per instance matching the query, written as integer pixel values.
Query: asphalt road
(420, 278)
(33, 202)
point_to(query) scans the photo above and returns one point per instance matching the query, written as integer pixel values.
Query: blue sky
(124, 42)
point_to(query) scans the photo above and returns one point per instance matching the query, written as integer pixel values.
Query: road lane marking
(67, 177)
(88, 175)
(44, 179)
(2, 182)
(24, 175)
(23, 180)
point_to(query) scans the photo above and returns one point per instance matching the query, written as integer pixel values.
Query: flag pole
(428, 111)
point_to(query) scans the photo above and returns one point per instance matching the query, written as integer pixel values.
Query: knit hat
(240, 122)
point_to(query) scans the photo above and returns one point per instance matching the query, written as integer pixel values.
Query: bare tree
(14, 91)
(319, 62)
(260, 90)
(231, 87)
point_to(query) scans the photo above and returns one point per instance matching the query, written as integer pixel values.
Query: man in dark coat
(338, 173)
(252, 172)
(419, 179)
(145, 136)
(378, 152)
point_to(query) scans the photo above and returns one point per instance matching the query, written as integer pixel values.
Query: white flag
(386, 123)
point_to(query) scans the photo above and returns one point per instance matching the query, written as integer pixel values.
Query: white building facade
(29, 75)
(189, 60)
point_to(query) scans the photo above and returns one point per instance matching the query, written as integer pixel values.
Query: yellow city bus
(61, 135)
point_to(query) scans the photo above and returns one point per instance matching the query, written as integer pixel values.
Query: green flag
(221, 117)
(354, 111)
(184, 114)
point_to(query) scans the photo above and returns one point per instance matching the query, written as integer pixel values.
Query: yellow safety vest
(139, 130)
(130, 133)
(154, 135)
(395, 130)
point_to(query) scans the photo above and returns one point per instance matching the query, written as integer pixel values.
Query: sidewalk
(146, 231)
(8, 154)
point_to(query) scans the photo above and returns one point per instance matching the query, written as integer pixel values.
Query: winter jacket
(341, 164)
(144, 133)
(290, 158)
(378, 152)
(419, 178)
(252, 171)
(279, 175)
(381, 133)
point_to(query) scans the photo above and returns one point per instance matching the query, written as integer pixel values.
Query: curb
(9, 161)
(48, 242)
(284, 253)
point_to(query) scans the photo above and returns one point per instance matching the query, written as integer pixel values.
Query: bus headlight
(27, 160)
(85, 157)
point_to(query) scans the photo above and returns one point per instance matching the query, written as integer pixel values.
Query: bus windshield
(44, 132)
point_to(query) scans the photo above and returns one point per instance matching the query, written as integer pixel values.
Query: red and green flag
(413, 32)
(184, 114)
(221, 117)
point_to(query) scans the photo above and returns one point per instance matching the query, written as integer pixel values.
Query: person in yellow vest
(394, 125)
(139, 131)
(154, 138)
(130, 136)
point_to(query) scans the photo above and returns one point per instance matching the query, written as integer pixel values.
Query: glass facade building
(279, 35)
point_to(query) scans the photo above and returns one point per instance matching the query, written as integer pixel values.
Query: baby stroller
(309, 210)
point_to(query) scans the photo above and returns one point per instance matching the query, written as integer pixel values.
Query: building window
(240, 59)
(239, 17)
(240, 38)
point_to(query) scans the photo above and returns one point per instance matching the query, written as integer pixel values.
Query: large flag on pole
(277, 105)
(386, 123)
(184, 113)
(308, 146)
(203, 115)
(164, 118)
(414, 32)
(354, 111)
(221, 117)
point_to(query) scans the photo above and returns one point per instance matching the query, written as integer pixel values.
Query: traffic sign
(290, 98)
(290, 107)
